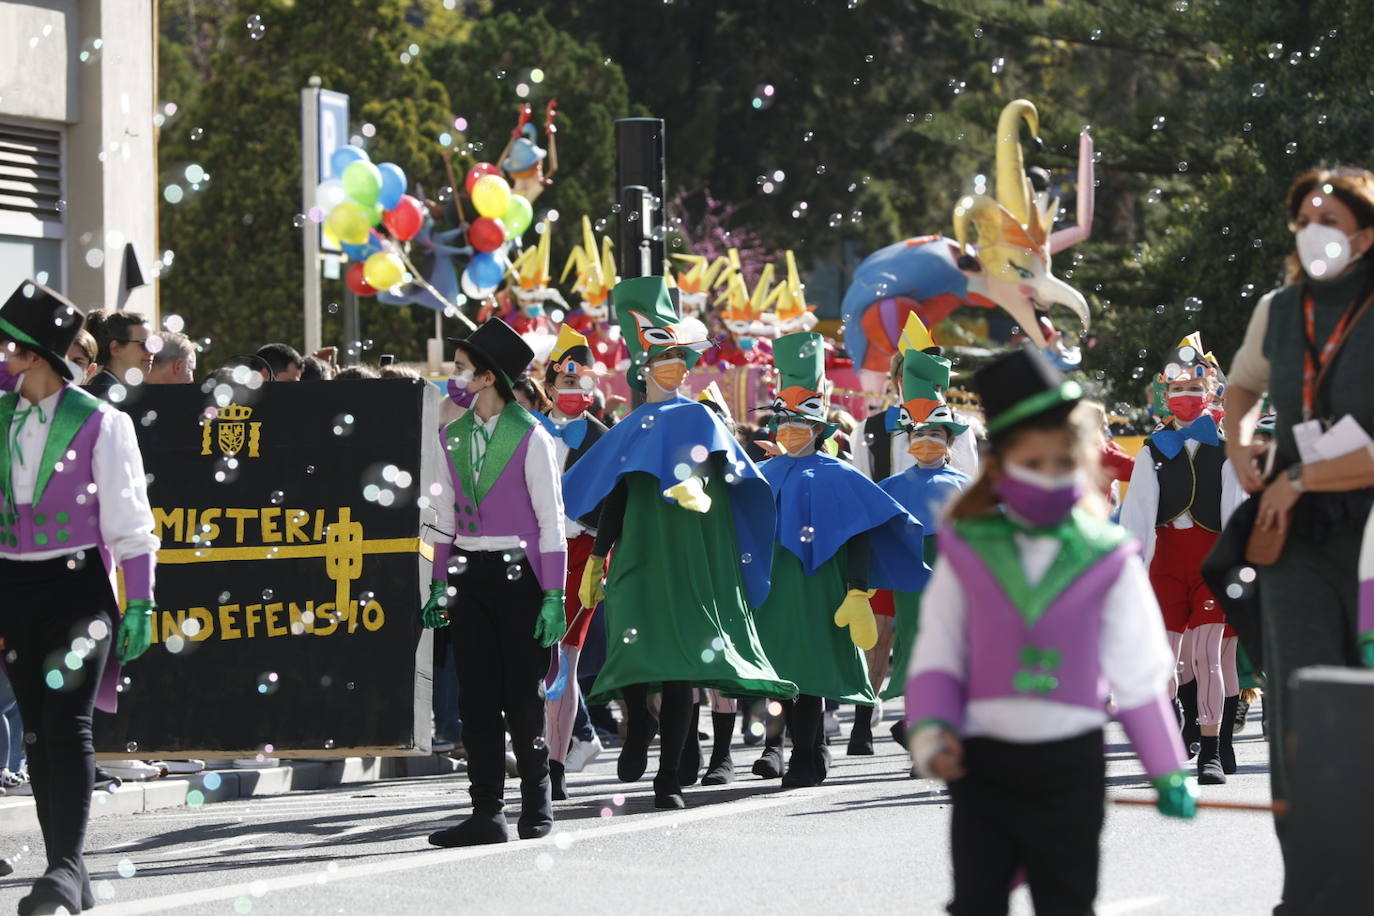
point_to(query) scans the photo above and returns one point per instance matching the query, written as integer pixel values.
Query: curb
(18, 812)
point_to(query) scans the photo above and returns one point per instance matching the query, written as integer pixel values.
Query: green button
(63, 518)
(40, 519)
(472, 527)
(63, 536)
(467, 510)
(40, 539)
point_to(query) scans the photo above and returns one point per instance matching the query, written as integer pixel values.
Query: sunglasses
(129, 340)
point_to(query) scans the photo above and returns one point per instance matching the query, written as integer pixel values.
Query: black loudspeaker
(133, 274)
(1331, 789)
(641, 179)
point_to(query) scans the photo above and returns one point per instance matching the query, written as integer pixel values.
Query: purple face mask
(458, 390)
(1039, 499)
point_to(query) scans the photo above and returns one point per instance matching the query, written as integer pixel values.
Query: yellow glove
(857, 614)
(590, 592)
(690, 495)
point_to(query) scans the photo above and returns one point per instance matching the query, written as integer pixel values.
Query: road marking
(1129, 905)
(424, 858)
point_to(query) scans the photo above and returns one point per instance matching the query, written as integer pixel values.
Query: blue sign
(332, 131)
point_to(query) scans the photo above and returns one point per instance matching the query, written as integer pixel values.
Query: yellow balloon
(383, 270)
(491, 196)
(349, 223)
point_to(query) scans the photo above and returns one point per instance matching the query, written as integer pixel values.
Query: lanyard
(1316, 364)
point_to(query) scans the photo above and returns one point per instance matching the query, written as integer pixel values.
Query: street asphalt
(870, 840)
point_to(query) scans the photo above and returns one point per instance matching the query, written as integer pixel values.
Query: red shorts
(882, 603)
(1176, 576)
(579, 548)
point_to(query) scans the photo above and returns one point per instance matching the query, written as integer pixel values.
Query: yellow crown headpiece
(531, 269)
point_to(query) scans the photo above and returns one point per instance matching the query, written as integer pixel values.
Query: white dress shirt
(1132, 650)
(126, 519)
(963, 452)
(1141, 507)
(543, 480)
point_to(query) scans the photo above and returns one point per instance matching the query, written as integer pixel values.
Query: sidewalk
(17, 812)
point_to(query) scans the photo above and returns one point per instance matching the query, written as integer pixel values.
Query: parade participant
(122, 352)
(74, 494)
(498, 580)
(1033, 603)
(1182, 491)
(691, 521)
(523, 160)
(569, 380)
(838, 534)
(924, 490)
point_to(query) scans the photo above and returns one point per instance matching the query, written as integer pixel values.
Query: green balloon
(518, 216)
(363, 183)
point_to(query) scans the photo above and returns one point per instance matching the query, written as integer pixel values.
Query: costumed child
(1034, 604)
(1181, 494)
(74, 496)
(838, 534)
(570, 382)
(498, 580)
(925, 488)
(691, 523)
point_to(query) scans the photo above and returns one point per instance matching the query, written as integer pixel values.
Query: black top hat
(500, 345)
(44, 321)
(1021, 385)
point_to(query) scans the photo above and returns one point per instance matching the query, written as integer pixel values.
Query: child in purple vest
(74, 498)
(498, 580)
(1033, 606)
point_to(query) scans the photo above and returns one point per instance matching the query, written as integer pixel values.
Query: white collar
(45, 406)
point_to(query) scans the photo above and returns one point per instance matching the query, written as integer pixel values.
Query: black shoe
(6, 868)
(1242, 714)
(801, 770)
(1209, 769)
(1228, 728)
(823, 761)
(721, 769)
(477, 830)
(48, 895)
(536, 809)
(104, 779)
(1192, 734)
(898, 731)
(689, 767)
(769, 765)
(634, 755)
(668, 793)
(558, 781)
(861, 736)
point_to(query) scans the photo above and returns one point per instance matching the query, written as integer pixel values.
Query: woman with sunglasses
(122, 350)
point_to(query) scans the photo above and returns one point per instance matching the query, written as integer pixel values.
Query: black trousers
(51, 609)
(1032, 806)
(501, 669)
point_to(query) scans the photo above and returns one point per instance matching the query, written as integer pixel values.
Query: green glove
(1177, 795)
(552, 622)
(135, 630)
(435, 612)
(1367, 648)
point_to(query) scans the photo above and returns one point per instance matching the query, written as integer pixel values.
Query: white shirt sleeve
(859, 448)
(1141, 506)
(1231, 493)
(440, 489)
(126, 518)
(963, 453)
(544, 481)
(942, 642)
(1135, 654)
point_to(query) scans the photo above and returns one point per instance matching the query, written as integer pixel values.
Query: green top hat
(44, 321)
(1022, 385)
(650, 325)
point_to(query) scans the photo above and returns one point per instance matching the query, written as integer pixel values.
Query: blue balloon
(343, 157)
(486, 271)
(393, 185)
(363, 251)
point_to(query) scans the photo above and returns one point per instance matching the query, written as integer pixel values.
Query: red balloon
(354, 278)
(487, 233)
(404, 219)
(477, 171)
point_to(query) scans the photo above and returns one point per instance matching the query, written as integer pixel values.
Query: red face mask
(572, 402)
(1187, 405)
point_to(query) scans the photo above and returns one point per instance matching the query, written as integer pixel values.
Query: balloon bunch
(501, 217)
(363, 197)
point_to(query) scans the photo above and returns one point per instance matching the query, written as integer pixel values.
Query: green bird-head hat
(800, 362)
(651, 326)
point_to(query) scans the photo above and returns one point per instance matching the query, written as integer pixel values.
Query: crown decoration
(741, 304)
(234, 412)
(595, 266)
(701, 276)
(531, 269)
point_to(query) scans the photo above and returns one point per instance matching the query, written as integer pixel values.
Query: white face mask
(1323, 250)
(78, 374)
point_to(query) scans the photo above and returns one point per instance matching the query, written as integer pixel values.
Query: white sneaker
(9, 780)
(256, 763)
(132, 770)
(832, 724)
(181, 766)
(440, 745)
(582, 753)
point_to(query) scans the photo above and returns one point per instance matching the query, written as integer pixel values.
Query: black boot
(899, 732)
(753, 712)
(861, 737)
(558, 781)
(639, 731)
(690, 767)
(802, 768)
(1242, 713)
(1209, 771)
(769, 764)
(721, 769)
(536, 811)
(1187, 697)
(674, 719)
(481, 829)
(1228, 729)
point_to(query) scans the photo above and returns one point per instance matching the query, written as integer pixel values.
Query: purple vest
(67, 511)
(1055, 658)
(506, 511)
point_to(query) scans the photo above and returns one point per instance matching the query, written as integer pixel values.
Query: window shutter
(31, 172)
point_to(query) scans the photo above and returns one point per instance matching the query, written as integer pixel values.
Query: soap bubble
(808, 534)
(630, 636)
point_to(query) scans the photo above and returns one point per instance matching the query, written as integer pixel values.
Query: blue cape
(667, 440)
(823, 502)
(924, 493)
